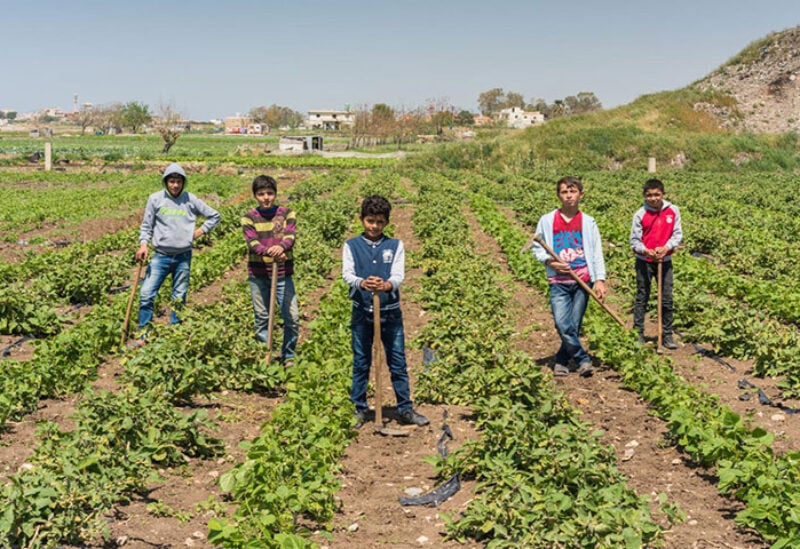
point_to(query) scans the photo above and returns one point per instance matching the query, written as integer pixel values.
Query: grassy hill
(708, 125)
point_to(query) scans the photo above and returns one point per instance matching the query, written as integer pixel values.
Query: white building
(516, 117)
(330, 120)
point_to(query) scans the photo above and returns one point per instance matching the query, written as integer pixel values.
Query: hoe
(537, 238)
(377, 366)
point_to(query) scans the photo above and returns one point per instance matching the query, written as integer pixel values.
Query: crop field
(194, 441)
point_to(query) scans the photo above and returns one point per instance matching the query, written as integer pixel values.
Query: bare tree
(108, 117)
(86, 117)
(167, 123)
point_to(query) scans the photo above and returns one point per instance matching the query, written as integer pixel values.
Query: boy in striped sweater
(269, 231)
(655, 233)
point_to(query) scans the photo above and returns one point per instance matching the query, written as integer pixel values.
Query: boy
(373, 262)
(269, 231)
(575, 238)
(655, 233)
(169, 221)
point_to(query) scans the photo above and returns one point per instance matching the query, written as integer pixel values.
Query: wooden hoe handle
(273, 287)
(539, 240)
(377, 352)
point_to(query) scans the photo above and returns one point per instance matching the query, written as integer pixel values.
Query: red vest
(657, 228)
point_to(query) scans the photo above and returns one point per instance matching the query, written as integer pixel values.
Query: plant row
(284, 490)
(544, 479)
(211, 349)
(709, 432)
(715, 305)
(66, 362)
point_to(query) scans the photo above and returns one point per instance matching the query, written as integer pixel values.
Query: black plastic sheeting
(763, 398)
(448, 488)
(715, 357)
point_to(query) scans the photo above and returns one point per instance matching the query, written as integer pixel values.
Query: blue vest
(374, 259)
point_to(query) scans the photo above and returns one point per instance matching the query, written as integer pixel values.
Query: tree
(493, 101)
(559, 109)
(490, 100)
(382, 121)
(583, 102)
(135, 115)
(465, 118)
(167, 123)
(513, 99)
(276, 116)
(11, 115)
(108, 117)
(86, 117)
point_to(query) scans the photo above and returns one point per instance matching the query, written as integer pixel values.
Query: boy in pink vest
(655, 233)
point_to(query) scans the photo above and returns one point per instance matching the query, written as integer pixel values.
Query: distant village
(321, 120)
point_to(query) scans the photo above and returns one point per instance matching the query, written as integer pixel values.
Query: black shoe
(668, 342)
(362, 417)
(413, 418)
(641, 340)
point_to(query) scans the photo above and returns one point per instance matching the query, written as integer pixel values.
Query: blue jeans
(393, 339)
(160, 266)
(568, 303)
(290, 312)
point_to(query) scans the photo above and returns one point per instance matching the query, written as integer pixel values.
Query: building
(303, 143)
(244, 125)
(516, 117)
(330, 120)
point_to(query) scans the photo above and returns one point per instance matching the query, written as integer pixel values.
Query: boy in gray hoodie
(169, 222)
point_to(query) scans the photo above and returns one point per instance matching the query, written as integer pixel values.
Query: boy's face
(654, 198)
(174, 185)
(374, 225)
(265, 197)
(569, 196)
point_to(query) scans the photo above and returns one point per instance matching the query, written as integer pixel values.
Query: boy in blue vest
(373, 262)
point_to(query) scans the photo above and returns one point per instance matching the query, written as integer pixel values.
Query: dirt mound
(763, 80)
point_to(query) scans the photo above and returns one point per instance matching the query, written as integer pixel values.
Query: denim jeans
(287, 302)
(393, 339)
(160, 266)
(646, 271)
(568, 303)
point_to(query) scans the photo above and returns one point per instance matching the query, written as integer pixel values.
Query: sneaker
(411, 417)
(586, 369)
(362, 417)
(559, 370)
(136, 343)
(287, 362)
(641, 340)
(668, 342)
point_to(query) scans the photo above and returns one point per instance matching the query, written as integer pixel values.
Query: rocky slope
(764, 81)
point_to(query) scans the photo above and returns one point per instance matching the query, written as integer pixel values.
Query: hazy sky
(212, 59)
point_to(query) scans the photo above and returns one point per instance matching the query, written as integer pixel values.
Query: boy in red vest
(655, 233)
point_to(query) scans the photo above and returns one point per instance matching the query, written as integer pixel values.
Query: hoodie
(169, 221)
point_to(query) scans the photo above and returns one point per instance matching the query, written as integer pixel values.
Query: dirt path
(637, 437)
(378, 470)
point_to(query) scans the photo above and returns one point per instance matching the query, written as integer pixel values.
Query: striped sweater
(266, 228)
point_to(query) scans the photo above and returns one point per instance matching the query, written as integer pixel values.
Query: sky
(209, 59)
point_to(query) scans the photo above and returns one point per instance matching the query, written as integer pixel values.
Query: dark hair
(570, 182)
(264, 182)
(375, 205)
(651, 184)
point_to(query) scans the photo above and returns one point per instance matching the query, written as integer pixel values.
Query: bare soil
(378, 470)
